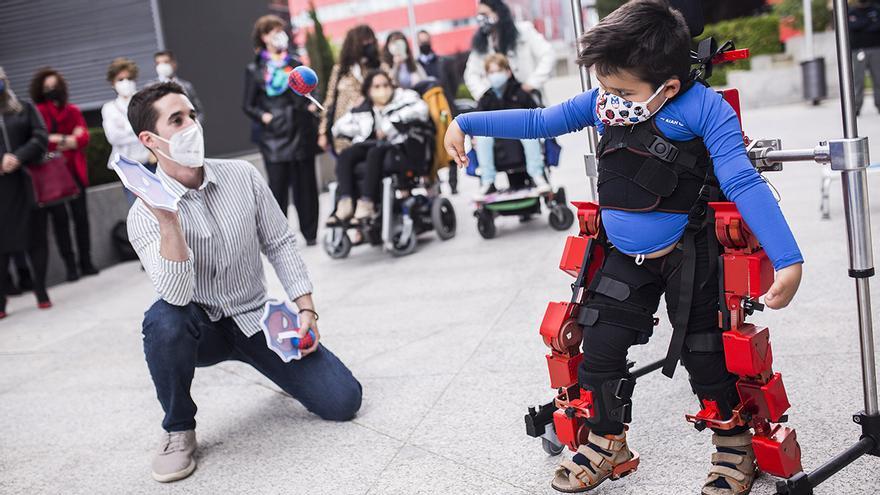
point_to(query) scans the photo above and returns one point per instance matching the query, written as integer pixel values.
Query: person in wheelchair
(506, 93)
(379, 130)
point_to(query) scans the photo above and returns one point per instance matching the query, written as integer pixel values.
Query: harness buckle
(663, 149)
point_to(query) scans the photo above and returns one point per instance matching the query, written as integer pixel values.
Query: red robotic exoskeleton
(745, 274)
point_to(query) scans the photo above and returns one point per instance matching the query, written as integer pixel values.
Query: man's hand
(380, 135)
(527, 88)
(454, 144)
(266, 118)
(307, 321)
(323, 143)
(9, 163)
(56, 138)
(784, 287)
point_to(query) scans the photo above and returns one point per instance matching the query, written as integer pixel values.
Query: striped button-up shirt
(227, 222)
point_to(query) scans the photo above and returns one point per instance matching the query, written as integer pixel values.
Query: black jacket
(512, 96)
(864, 26)
(28, 140)
(293, 132)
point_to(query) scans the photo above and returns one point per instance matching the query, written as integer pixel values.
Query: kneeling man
(204, 261)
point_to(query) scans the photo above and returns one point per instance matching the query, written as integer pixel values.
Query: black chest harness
(641, 170)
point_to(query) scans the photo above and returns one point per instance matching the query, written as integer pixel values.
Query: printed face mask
(614, 110)
(187, 146)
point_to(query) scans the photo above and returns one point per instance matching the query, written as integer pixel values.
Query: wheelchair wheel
(485, 224)
(443, 218)
(337, 244)
(403, 248)
(559, 196)
(561, 218)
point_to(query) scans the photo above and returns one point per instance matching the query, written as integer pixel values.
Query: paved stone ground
(445, 343)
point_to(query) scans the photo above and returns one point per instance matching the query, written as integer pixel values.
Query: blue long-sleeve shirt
(699, 112)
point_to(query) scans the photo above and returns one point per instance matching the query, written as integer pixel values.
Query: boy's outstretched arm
(569, 116)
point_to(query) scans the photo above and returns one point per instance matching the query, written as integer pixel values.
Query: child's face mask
(498, 79)
(614, 110)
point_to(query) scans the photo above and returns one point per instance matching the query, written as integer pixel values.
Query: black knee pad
(612, 395)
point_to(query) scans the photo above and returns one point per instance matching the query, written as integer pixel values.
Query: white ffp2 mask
(187, 146)
(125, 88)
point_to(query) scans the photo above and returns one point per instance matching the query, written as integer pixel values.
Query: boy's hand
(454, 144)
(784, 287)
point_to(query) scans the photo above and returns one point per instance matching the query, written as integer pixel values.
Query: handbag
(51, 179)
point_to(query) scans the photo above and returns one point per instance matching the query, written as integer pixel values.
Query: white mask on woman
(280, 40)
(125, 88)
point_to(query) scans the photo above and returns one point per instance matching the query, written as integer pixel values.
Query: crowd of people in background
(373, 91)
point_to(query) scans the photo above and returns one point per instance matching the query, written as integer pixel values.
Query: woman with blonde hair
(23, 141)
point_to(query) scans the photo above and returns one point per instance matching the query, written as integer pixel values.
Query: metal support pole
(850, 157)
(411, 17)
(586, 84)
(858, 216)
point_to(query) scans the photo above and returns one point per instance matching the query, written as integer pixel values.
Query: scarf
(276, 72)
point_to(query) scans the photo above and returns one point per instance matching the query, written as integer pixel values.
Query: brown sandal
(739, 478)
(571, 477)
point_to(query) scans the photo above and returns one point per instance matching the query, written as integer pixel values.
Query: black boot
(72, 274)
(86, 266)
(11, 288)
(24, 280)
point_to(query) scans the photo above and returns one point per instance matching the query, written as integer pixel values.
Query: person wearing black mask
(441, 69)
(359, 55)
(69, 135)
(531, 56)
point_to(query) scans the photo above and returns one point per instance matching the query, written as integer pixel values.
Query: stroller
(520, 199)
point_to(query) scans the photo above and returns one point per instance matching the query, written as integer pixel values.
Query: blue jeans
(177, 339)
(486, 158)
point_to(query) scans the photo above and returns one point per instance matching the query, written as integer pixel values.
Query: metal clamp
(758, 154)
(849, 153)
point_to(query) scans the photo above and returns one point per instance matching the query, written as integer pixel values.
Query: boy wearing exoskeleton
(669, 146)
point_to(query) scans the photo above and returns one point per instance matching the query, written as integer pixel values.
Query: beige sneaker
(733, 468)
(364, 209)
(175, 460)
(602, 457)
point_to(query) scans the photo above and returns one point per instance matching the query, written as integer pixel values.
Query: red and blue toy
(281, 327)
(303, 80)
